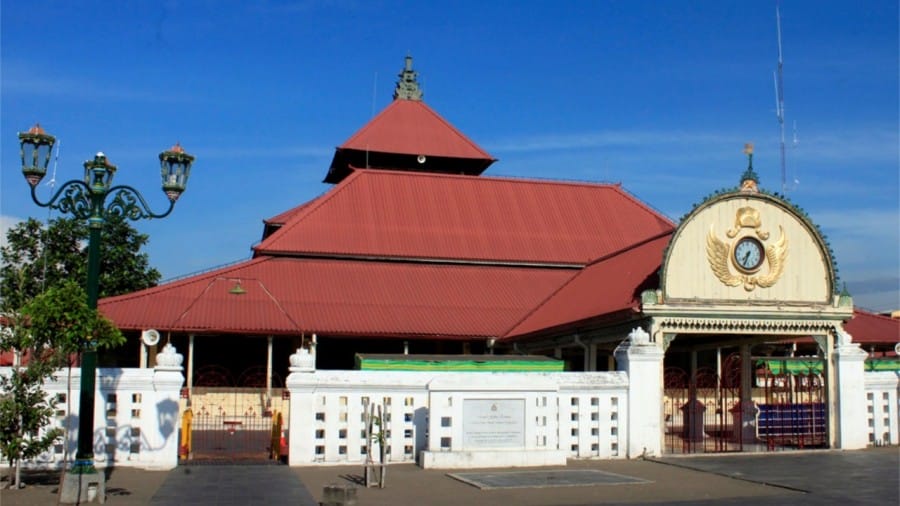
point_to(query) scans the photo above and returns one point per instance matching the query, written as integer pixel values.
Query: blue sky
(657, 95)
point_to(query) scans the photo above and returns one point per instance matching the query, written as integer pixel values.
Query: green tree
(36, 258)
(46, 332)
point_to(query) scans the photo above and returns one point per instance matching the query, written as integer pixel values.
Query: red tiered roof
(606, 287)
(403, 215)
(422, 255)
(411, 127)
(342, 298)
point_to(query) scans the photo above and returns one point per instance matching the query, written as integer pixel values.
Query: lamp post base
(82, 484)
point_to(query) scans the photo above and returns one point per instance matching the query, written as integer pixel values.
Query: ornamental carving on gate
(751, 259)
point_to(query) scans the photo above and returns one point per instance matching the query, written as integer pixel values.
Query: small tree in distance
(46, 332)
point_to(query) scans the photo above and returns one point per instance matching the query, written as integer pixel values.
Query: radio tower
(779, 99)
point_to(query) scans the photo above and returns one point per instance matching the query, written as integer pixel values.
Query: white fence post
(642, 360)
(851, 395)
(162, 430)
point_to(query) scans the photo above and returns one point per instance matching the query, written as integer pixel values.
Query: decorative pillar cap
(168, 359)
(302, 361)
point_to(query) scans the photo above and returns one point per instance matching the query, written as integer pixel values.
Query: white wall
(882, 403)
(136, 417)
(579, 414)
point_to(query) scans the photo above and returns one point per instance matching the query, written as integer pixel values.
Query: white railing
(883, 407)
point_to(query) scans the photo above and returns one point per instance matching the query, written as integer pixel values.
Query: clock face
(748, 254)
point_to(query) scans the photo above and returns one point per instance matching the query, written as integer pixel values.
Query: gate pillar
(642, 360)
(301, 383)
(162, 433)
(851, 393)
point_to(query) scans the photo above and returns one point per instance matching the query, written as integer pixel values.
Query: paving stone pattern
(541, 479)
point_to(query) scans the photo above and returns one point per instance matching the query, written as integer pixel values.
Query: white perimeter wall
(581, 414)
(136, 417)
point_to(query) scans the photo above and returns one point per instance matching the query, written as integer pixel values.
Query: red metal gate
(700, 411)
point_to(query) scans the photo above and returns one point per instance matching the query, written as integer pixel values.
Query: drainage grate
(542, 479)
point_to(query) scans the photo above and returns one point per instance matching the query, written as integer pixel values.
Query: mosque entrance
(237, 420)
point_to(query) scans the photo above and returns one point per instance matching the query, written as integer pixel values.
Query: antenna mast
(779, 99)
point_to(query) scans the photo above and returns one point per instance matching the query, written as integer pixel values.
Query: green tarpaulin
(458, 363)
(812, 366)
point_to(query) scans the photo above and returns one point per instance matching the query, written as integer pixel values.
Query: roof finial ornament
(407, 87)
(749, 179)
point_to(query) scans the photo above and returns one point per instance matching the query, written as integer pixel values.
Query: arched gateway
(746, 275)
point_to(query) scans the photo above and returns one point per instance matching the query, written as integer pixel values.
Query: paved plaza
(783, 478)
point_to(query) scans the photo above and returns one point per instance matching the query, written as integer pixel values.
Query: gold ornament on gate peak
(741, 262)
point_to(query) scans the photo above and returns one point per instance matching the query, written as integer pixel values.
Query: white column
(831, 391)
(852, 423)
(301, 383)
(190, 367)
(643, 360)
(162, 435)
(268, 368)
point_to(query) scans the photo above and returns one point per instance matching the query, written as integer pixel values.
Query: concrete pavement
(815, 477)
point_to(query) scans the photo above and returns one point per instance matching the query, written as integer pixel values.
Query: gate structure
(703, 413)
(233, 422)
(700, 412)
(793, 414)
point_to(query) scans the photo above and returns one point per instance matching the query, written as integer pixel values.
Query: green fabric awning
(883, 364)
(813, 366)
(792, 366)
(458, 363)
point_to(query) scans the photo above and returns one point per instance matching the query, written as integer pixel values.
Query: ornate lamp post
(95, 199)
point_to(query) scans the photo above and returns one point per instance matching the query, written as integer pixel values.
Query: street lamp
(95, 199)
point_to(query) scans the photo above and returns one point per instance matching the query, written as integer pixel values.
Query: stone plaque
(493, 423)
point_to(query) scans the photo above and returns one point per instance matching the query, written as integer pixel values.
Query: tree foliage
(36, 258)
(46, 332)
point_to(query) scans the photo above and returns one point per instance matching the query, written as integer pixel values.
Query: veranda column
(162, 433)
(190, 367)
(268, 372)
(852, 427)
(642, 360)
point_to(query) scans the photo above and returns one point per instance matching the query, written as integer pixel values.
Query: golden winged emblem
(741, 262)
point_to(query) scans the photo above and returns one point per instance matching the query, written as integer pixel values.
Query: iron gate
(700, 411)
(703, 413)
(233, 423)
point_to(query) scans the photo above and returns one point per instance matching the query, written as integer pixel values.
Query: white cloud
(6, 223)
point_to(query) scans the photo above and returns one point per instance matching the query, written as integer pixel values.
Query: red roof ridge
(359, 133)
(285, 216)
(630, 247)
(625, 193)
(512, 179)
(604, 258)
